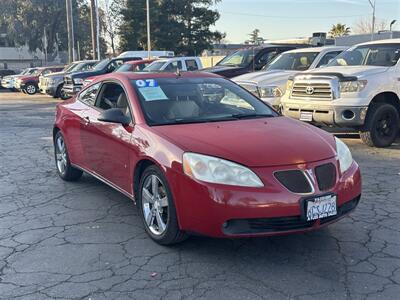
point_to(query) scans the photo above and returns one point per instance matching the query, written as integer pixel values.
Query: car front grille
(68, 80)
(252, 88)
(326, 176)
(282, 224)
(312, 91)
(294, 180)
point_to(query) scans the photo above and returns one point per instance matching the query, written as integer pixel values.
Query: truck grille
(252, 88)
(68, 80)
(312, 90)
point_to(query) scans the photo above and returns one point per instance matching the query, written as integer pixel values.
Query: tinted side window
(327, 57)
(114, 64)
(191, 65)
(88, 96)
(265, 58)
(173, 66)
(112, 95)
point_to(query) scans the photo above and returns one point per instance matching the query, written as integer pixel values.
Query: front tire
(157, 208)
(63, 164)
(381, 126)
(31, 89)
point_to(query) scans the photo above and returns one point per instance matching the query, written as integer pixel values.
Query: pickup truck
(29, 84)
(185, 63)
(51, 84)
(359, 89)
(250, 59)
(270, 83)
(73, 82)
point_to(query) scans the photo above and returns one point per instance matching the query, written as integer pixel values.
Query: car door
(109, 143)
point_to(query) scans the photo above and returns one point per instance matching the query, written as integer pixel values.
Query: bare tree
(363, 26)
(112, 19)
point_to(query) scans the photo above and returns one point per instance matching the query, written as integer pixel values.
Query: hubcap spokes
(155, 205)
(61, 155)
(384, 126)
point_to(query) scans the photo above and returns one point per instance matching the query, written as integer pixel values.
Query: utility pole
(148, 29)
(93, 27)
(70, 29)
(373, 18)
(97, 30)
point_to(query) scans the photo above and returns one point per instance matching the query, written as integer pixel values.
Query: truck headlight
(269, 91)
(352, 86)
(78, 80)
(216, 170)
(289, 85)
(344, 155)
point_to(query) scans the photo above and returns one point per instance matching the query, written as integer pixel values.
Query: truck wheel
(381, 126)
(58, 92)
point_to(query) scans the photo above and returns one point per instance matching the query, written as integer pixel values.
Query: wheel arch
(387, 97)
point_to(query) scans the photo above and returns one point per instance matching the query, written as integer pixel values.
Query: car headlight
(352, 86)
(216, 170)
(269, 91)
(344, 155)
(78, 80)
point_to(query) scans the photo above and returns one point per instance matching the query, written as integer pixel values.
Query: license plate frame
(306, 116)
(319, 207)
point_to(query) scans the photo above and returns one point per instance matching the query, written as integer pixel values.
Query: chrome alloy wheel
(61, 155)
(155, 204)
(31, 89)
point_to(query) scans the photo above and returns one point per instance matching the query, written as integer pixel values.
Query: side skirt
(109, 183)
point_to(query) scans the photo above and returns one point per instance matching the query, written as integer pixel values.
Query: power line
(289, 17)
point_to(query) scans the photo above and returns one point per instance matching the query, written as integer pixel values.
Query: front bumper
(48, 89)
(327, 114)
(72, 89)
(223, 211)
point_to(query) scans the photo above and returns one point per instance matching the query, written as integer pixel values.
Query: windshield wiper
(252, 116)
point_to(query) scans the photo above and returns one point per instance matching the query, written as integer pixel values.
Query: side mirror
(114, 115)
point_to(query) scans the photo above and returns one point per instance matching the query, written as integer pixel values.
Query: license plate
(321, 207)
(306, 116)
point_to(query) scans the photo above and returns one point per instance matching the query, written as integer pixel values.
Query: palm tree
(339, 30)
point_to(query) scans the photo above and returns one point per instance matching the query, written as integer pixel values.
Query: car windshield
(385, 55)
(101, 64)
(241, 58)
(166, 101)
(155, 66)
(31, 71)
(299, 61)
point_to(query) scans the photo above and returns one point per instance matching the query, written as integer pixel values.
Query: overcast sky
(280, 19)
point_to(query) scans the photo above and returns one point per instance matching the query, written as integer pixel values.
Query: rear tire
(158, 201)
(63, 164)
(31, 89)
(381, 126)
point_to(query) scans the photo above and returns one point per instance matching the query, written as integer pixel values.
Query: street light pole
(97, 30)
(148, 29)
(373, 18)
(92, 27)
(390, 28)
(70, 29)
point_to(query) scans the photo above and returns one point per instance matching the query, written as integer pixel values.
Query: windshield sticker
(152, 93)
(146, 83)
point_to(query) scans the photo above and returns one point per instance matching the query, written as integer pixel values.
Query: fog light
(348, 115)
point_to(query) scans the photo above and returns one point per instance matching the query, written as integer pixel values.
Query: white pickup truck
(359, 89)
(269, 84)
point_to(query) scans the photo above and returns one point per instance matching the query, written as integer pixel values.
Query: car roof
(317, 49)
(148, 75)
(142, 61)
(388, 41)
(177, 58)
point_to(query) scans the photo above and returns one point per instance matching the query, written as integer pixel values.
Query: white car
(270, 83)
(359, 89)
(186, 63)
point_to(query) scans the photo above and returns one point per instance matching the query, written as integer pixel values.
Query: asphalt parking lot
(84, 240)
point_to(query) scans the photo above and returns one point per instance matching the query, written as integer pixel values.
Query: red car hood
(254, 143)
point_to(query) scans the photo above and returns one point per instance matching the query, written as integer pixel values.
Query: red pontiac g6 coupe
(201, 155)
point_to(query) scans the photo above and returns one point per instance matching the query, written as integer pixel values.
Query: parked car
(29, 83)
(8, 82)
(359, 89)
(199, 154)
(52, 84)
(250, 59)
(270, 83)
(6, 72)
(129, 66)
(187, 63)
(73, 83)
